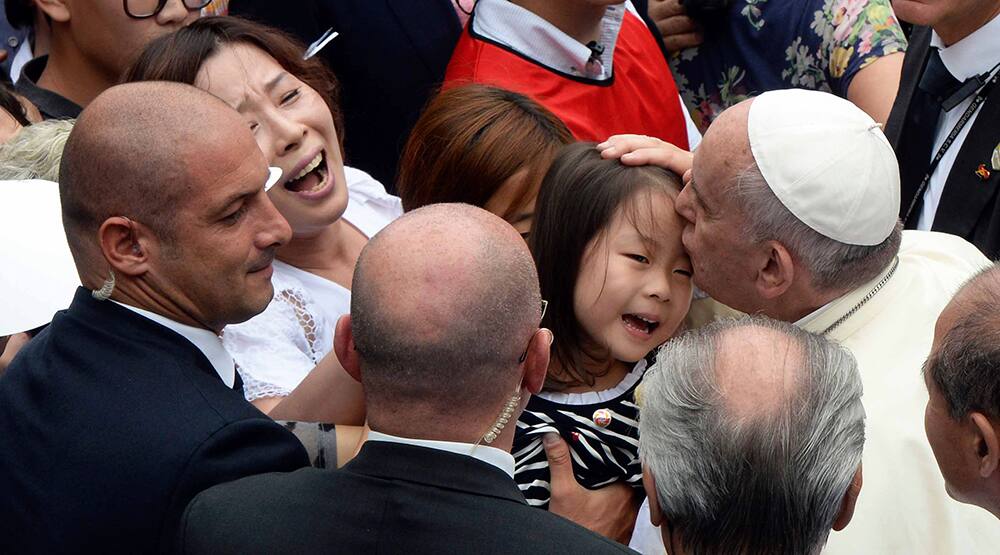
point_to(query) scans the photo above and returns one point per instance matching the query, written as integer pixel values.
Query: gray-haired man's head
(751, 439)
(800, 224)
(962, 373)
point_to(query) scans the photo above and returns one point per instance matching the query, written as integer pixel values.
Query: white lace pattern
(275, 350)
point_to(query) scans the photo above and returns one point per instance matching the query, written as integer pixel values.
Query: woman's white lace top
(275, 350)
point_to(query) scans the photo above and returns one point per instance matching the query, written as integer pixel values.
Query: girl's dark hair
(13, 106)
(179, 55)
(579, 197)
(470, 140)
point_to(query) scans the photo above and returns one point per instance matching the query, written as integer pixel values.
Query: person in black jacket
(947, 109)
(443, 334)
(127, 405)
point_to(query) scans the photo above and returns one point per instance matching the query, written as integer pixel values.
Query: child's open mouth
(639, 324)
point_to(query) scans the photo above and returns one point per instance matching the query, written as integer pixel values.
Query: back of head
(135, 152)
(444, 300)
(965, 364)
(470, 140)
(36, 151)
(578, 198)
(753, 431)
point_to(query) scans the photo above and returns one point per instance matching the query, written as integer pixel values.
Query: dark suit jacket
(970, 206)
(390, 57)
(111, 423)
(391, 498)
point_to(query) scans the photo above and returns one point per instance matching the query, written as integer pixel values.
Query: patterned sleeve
(271, 349)
(856, 33)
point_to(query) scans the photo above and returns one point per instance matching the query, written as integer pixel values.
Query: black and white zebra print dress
(602, 431)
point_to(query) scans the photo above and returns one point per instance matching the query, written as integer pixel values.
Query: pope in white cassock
(791, 209)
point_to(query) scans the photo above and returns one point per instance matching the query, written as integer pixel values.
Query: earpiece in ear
(136, 249)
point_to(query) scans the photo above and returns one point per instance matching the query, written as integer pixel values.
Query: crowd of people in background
(500, 276)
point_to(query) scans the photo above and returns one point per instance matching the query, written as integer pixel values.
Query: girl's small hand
(640, 150)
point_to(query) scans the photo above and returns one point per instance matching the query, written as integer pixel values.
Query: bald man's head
(137, 151)
(752, 430)
(444, 301)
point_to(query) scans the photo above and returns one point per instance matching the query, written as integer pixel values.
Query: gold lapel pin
(983, 172)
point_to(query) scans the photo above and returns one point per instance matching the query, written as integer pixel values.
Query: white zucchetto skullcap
(38, 276)
(828, 162)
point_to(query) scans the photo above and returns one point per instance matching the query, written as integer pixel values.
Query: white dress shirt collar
(975, 54)
(206, 341)
(520, 29)
(490, 455)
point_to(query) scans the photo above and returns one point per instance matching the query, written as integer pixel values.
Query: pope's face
(714, 233)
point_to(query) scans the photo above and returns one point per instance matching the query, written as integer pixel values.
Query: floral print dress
(764, 45)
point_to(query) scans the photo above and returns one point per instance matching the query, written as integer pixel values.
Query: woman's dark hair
(179, 55)
(470, 140)
(578, 198)
(13, 106)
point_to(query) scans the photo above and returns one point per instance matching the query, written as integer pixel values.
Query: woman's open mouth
(312, 179)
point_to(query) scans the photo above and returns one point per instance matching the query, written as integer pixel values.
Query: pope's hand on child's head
(640, 150)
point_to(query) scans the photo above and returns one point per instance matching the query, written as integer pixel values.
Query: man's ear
(536, 360)
(343, 346)
(656, 516)
(56, 10)
(124, 244)
(776, 271)
(987, 447)
(649, 486)
(848, 503)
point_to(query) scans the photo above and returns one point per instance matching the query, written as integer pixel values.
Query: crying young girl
(607, 244)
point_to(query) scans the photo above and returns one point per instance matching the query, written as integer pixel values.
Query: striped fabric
(603, 451)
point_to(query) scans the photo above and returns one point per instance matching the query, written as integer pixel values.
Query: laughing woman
(289, 104)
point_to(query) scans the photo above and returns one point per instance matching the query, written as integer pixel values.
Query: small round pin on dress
(602, 417)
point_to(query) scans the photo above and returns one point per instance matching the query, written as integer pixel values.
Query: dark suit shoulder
(316, 511)
(113, 423)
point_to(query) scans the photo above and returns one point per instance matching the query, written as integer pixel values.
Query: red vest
(640, 98)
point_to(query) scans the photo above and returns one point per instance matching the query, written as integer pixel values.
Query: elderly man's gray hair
(767, 477)
(965, 365)
(36, 151)
(834, 265)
